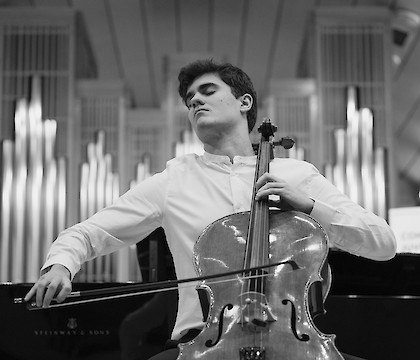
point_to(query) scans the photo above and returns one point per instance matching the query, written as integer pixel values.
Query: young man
(193, 191)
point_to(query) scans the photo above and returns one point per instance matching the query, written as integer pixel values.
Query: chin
(204, 125)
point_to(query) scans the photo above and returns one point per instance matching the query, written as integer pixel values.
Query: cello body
(279, 326)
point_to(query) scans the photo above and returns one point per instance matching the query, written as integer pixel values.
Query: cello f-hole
(210, 343)
(304, 337)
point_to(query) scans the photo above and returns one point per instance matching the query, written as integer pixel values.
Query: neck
(231, 148)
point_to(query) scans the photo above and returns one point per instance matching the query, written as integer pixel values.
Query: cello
(263, 313)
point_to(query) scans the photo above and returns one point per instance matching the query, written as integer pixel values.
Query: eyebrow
(201, 88)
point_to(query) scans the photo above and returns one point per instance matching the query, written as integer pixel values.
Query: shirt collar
(224, 159)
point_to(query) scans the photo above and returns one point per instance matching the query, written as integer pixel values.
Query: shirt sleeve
(130, 219)
(349, 226)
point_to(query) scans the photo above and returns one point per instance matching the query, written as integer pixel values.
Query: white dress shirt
(192, 192)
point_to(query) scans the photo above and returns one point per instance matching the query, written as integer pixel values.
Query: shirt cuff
(62, 260)
(323, 213)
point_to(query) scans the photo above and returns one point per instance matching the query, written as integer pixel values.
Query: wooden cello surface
(262, 314)
(292, 335)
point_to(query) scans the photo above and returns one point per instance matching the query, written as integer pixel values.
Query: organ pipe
(189, 144)
(339, 168)
(143, 170)
(6, 209)
(33, 191)
(34, 204)
(360, 168)
(99, 187)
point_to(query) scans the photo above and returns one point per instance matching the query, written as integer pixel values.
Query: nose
(196, 100)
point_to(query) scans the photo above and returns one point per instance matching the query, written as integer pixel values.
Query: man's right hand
(53, 284)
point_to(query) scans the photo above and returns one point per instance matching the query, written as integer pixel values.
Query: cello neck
(256, 253)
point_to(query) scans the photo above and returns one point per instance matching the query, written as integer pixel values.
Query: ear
(246, 102)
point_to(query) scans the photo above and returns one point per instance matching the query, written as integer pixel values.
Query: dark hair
(238, 81)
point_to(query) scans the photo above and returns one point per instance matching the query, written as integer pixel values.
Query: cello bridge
(251, 353)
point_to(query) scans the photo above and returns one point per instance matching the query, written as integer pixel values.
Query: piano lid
(127, 328)
(353, 275)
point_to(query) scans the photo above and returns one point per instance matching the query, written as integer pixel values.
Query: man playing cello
(194, 191)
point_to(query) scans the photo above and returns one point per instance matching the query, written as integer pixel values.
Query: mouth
(198, 111)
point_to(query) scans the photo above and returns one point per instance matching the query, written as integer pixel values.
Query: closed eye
(206, 89)
(208, 93)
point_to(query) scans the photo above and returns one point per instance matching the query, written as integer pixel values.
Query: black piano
(373, 308)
